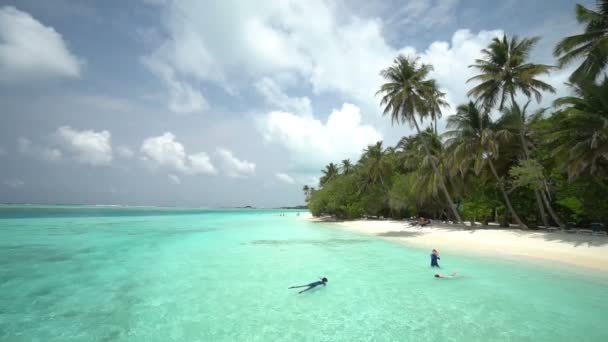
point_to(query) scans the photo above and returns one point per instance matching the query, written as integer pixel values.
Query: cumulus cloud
(51, 154)
(89, 147)
(31, 51)
(335, 52)
(450, 60)
(417, 12)
(232, 166)
(313, 143)
(283, 177)
(166, 151)
(124, 152)
(174, 179)
(274, 95)
(339, 52)
(182, 97)
(25, 146)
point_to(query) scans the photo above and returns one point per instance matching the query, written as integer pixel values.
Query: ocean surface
(165, 274)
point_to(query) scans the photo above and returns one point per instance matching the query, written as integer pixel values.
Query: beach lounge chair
(570, 227)
(598, 229)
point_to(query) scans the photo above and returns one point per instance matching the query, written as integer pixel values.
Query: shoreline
(573, 250)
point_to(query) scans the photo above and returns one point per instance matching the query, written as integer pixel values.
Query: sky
(224, 103)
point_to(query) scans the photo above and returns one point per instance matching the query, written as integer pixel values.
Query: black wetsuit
(310, 286)
(434, 258)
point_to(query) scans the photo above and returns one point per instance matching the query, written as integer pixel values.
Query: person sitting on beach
(312, 285)
(453, 275)
(423, 221)
(434, 258)
(413, 221)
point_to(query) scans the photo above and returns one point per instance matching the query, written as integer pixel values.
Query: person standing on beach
(434, 258)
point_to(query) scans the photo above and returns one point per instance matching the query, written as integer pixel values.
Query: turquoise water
(149, 274)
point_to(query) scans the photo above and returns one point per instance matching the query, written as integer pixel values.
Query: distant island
(295, 207)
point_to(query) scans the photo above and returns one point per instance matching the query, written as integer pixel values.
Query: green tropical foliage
(591, 45)
(504, 71)
(529, 167)
(409, 95)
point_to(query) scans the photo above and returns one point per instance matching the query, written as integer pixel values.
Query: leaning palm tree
(592, 45)
(330, 172)
(347, 167)
(472, 142)
(580, 131)
(520, 123)
(505, 71)
(409, 93)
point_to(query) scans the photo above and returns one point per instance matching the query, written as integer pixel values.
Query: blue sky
(222, 103)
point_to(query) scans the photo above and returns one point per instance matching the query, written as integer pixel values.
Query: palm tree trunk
(541, 209)
(550, 208)
(539, 202)
(441, 182)
(505, 196)
(540, 193)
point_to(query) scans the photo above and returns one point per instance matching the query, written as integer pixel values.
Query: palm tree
(518, 120)
(580, 130)
(330, 172)
(472, 140)
(436, 100)
(408, 93)
(375, 165)
(505, 71)
(592, 45)
(347, 167)
(306, 190)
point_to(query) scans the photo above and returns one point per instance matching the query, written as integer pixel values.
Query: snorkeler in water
(453, 275)
(310, 286)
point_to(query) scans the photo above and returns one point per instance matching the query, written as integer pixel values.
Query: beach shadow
(398, 233)
(577, 239)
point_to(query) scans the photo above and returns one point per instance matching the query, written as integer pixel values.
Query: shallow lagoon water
(153, 274)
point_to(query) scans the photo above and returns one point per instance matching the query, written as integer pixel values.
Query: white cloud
(31, 51)
(89, 147)
(285, 178)
(335, 52)
(166, 151)
(233, 43)
(312, 143)
(25, 146)
(13, 183)
(51, 154)
(200, 163)
(182, 97)
(416, 12)
(450, 61)
(174, 179)
(124, 152)
(275, 96)
(232, 166)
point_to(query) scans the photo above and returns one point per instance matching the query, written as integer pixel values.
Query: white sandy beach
(570, 249)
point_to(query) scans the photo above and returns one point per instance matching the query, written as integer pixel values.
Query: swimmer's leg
(295, 287)
(310, 287)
